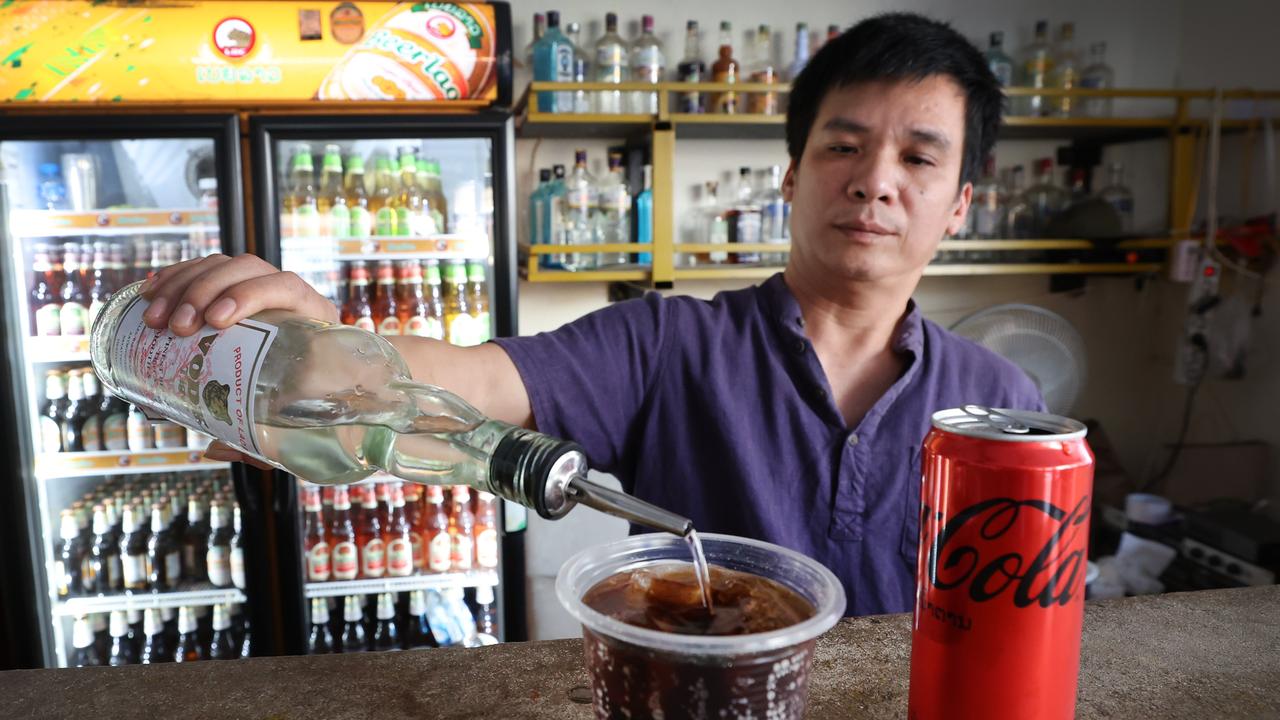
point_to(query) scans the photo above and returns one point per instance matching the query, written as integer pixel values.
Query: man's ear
(961, 209)
(789, 182)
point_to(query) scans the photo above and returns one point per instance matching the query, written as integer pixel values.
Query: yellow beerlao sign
(111, 52)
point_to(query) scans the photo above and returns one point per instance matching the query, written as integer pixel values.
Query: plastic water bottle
(53, 192)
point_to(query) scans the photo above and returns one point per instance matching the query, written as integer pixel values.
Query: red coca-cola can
(1000, 573)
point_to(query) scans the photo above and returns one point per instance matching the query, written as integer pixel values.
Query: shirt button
(800, 321)
(800, 347)
(853, 440)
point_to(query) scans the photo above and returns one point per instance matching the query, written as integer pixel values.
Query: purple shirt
(720, 411)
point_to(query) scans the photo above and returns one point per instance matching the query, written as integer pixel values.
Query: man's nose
(873, 178)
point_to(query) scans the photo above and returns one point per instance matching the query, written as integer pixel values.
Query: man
(791, 412)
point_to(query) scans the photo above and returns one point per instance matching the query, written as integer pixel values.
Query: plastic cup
(637, 672)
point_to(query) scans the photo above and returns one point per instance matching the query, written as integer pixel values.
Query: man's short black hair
(901, 46)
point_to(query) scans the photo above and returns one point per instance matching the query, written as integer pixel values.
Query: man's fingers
(284, 291)
(203, 291)
(165, 288)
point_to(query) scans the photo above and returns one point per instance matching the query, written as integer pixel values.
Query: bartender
(791, 412)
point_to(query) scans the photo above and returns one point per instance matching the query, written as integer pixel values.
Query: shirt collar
(783, 307)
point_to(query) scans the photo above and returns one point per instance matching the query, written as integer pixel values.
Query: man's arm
(482, 375)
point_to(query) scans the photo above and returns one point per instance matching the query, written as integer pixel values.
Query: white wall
(1130, 332)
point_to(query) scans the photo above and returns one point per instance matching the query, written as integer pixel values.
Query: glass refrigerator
(117, 528)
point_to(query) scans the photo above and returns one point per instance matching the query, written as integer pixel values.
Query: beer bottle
(91, 425)
(114, 420)
(461, 527)
(413, 513)
(204, 624)
(73, 318)
(155, 649)
(155, 261)
(301, 210)
(478, 295)
(486, 616)
(52, 412)
(411, 305)
(101, 635)
(86, 652)
(195, 541)
(46, 298)
(412, 217)
(433, 191)
(315, 542)
(164, 564)
(458, 323)
(417, 631)
(246, 640)
(386, 633)
(104, 557)
(168, 435)
(358, 308)
(101, 280)
(122, 652)
(486, 530)
(115, 568)
(384, 300)
(373, 559)
(342, 536)
(136, 637)
(222, 646)
(72, 561)
(434, 300)
(73, 416)
(189, 648)
(320, 640)
(237, 548)
(133, 550)
(436, 532)
(138, 429)
(217, 557)
(326, 505)
(398, 536)
(382, 202)
(332, 201)
(352, 638)
(359, 217)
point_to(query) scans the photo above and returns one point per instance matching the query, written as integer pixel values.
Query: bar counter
(1212, 654)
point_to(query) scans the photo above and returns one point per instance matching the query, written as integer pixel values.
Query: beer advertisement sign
(112, 52)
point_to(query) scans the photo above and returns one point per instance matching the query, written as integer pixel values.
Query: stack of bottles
(1056, 64)
(402, 621)
(138, 637)
(752, 211)
(414, 297)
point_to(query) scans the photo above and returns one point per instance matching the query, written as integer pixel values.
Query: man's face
(876, 187)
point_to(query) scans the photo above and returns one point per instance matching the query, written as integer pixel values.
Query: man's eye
(843, 149)
(917, 160)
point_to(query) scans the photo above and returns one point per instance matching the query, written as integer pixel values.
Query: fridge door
(403, 223)
(94, 203)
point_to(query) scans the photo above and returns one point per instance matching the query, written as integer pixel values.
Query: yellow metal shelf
(1041, 269)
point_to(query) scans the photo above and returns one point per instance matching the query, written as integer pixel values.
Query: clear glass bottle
(614, 218)
(1046, 198)
(581, 99)
(1119, 196)
(1097, 76)
(715, 225)
(744, 218)
(801, 57)
(692, 69)
(580, 210)
(536, 209)
(763, 70)
(611, 66)
(333, 404)
(553, 217)
(1066, 69)
(1000, 63)
(985, 207)
(644, 216)
(1035, 70)
(553, 62)
(1019, 218)
(775, 213)
(648, 65)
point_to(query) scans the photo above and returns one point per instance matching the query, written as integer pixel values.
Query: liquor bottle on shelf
(1019, 215)
(386, 633)
(580, 100)
(1000, 63)
(580, 204)
(53, 411)
(342, 537)
(692, 69)
(122, 651)
(133, 550)
(46, 293)
(72, 561)
(539, 29)
(359, 217)
(644, 215)
(775, 214)
(86, 651)
(648, 65)
(536, 209)
(986, 207)
(1046, 198)
(744, 218)
(486, 531)
(358, 308)
(1119, 196)
(320, 639)
(553, 62)
(611, 66)
(462, 552)
(353, 637)
(189, 647)
(373, 553)
(164, 564)
(1097, 76)
(331, 202)
(1035, 64)
(1066, 70)
(763, 70)
(713, 224)
(802, 51)
(218, 551)
(155, 649)
(725, 70)
(222, 646)
(614, 216)
(398, 536)
(384, 300)
(195, 541)
(100, 282)
(554, 216)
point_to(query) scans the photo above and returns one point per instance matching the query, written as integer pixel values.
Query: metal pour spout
(622, 505)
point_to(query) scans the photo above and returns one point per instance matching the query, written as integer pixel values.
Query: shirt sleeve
(588, 380)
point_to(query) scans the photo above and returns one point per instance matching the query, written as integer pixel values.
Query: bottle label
(318, 567)
(48, 321)
(205, 381)
(139, 432)
(418, 326)
(172, 569)
(346, 565)
(463, 553)
(115, 433)
(646, 64)
(91, 434)
(373, 561)
(134, 569)
(360, 222)
(364, 323)
(390, 325)
(50, 435)
(384, 221)
(219, 561)
(169, 435)
(419, 551)
(399, 558)
(73, 319)
(487, 548)
(338, 222)
(438, 553)
(237, 567)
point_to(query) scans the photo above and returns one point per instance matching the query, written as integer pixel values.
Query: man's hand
(221, 291)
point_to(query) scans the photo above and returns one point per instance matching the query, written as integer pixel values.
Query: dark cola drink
(632, 680)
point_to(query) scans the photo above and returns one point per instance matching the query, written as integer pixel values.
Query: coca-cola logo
(972, 551)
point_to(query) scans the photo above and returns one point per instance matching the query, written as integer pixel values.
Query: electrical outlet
(1191, 360)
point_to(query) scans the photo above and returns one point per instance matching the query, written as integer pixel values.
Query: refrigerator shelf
(58, 349)
(394, 247)
(207, 595)
(66, 223)
(475, 578)
(122, 462)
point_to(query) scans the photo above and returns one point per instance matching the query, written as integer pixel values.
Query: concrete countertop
(1213, 654)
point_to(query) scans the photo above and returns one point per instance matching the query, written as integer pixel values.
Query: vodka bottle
(763, 70)
(581, 205)
(553, 62)
(553, 216)
(775, 214)
(648, 65)
(985, 207)
(1097, 76)
(1036, 71)
(802, 51)
(614, 218)
(536, 208)
(611, 66)
(333, 404)
(1066, 70)
(692, 69)
(1001, 64)
(1019, 218)
(581, 101)
(715, 225)
(1046, 198)
(1119, 196)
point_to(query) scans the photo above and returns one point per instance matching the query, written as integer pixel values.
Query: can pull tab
(1003, 423)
